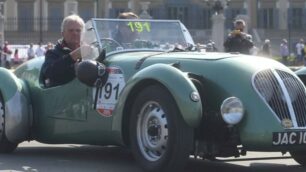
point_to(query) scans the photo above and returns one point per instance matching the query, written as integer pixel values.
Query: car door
(60, 111)
(68, 101)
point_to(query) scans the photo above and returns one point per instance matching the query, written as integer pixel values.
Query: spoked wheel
(160, 139)
(299, 157)
(5, 145)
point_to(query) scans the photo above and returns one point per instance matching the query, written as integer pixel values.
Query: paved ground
(36, 157)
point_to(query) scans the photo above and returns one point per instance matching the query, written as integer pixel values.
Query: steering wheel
(110, 43)
(140, 43)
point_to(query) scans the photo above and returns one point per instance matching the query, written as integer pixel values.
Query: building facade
(28, 21)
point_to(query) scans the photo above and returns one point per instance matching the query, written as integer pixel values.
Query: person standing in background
(266, 48)
(238, 40)
(284, 51)
(299, 52)
(16, 58)
(30, 52)
(49, 46)
(40, 51)
(6, 55)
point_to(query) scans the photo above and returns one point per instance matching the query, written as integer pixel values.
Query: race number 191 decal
(108, 95)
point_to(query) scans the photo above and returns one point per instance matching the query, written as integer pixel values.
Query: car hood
(184, 55)
(211, 61)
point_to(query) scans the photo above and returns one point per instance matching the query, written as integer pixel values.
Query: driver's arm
(58, 68)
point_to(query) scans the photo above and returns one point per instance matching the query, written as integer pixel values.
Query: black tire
(299, 157)
(159, 137)
(5, 145)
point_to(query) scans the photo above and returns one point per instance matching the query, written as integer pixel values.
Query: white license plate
(289, 138)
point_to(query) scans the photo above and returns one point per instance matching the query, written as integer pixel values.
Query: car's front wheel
(160, 139)
(299, 157)
(5, 145)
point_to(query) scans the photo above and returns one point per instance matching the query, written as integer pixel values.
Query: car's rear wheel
(299, 157)
(160, 139)
(5, 145)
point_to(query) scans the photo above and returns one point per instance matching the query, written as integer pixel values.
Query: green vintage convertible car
(159, 96)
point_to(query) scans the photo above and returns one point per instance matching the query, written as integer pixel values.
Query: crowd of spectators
(13, 55)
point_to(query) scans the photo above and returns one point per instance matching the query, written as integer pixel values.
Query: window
(114, 12)
(55, 13)
(178, 13)
(266, 18)
(25, 16)
(86, 10)
(296, 18)
(206, 18)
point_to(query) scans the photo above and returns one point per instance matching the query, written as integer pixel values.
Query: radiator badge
(287, 123)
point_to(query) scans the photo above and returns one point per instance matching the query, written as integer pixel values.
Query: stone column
(1, 23)
(144, 10)
(1, 30)
(283, 6)
(251, 8)
(107, 6)
(218, 30)
(71, 7)
(131, 5)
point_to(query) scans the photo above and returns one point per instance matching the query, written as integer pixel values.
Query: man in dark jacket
(237, 40)
(59, 65)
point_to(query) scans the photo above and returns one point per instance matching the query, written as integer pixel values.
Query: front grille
(284, 93)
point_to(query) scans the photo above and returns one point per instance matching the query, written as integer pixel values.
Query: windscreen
(114, 35)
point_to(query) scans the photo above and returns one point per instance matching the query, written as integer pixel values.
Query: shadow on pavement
(224, 166)
(112, 159)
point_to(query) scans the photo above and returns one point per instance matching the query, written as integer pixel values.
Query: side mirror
(89, 72)
(93, 74)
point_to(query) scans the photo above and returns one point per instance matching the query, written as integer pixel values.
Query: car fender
(178, 84)
(301, 73)
(17, 114)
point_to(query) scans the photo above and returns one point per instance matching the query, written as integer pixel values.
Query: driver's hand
(76, 54)
(86, 50)
(81, 52)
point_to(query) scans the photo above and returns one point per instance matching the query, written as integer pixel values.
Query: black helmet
(91, 73)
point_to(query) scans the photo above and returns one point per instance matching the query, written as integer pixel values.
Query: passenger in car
(123, 35)
(59, 65)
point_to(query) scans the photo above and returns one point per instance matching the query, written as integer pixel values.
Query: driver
(124, 36)
(59, 65)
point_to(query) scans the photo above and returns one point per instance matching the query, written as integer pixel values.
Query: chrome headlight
(232, 110)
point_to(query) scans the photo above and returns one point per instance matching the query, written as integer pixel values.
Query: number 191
(108, 90)
(139, 26)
